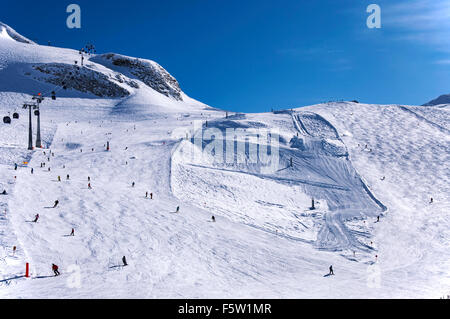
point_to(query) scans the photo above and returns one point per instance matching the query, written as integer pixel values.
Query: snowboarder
(213, 219)
(36, 218)
(384, 177)
(55, 269)
(124, 260)
(56, 203)
(178, 209)
(72, 233)
(4, 192)
(331, 270)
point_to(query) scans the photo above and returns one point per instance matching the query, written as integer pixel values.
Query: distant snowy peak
(443, 99)
(147, 71)
(6, 32)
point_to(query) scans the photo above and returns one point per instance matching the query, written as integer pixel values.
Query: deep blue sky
(256, 55)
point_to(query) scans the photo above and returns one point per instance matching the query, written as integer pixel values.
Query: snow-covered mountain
(443, 99)
(370, 169)
(6, 32)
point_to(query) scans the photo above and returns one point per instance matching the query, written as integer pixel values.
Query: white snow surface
(266, 241)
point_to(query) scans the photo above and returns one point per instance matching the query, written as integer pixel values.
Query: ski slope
(266, 241)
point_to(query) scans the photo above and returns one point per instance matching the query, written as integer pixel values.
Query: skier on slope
(36, 218)
(72, 233)
(431, 200)
(378, 218)
(178, 209)
(213, 219)
(55, 269)
(56, 203)
(331, 270)
(124, 260)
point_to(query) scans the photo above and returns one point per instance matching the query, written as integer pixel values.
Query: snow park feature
(172, 198)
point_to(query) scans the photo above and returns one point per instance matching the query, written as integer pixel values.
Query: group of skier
(55, 268)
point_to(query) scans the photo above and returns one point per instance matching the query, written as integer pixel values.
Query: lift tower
(39, 98)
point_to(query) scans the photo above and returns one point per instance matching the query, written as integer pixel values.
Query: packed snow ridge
(362, 187)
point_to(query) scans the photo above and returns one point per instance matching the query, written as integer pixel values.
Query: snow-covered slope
(8, 33)
(357, 161)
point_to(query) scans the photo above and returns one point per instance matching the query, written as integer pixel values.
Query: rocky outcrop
(149, 72)
(82, 79)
